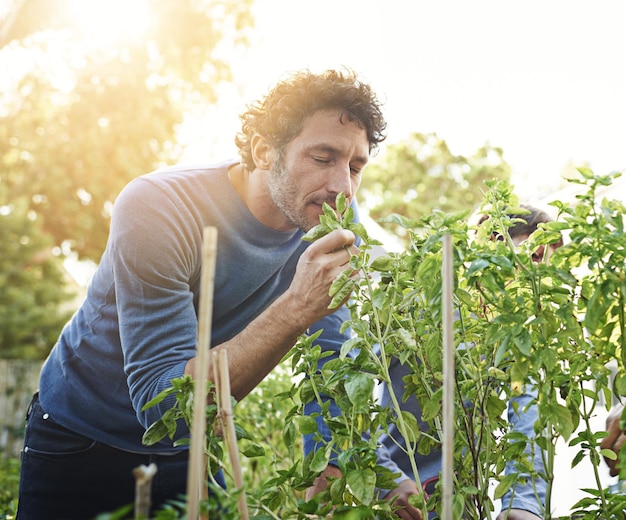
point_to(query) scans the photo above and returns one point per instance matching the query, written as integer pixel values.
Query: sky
(543, 80)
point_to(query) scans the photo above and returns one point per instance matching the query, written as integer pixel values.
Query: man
(306, 141)
(523, 503)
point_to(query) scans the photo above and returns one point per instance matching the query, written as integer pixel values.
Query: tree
(83, 119)
(32, 286)
(80, 118)
(420, 174)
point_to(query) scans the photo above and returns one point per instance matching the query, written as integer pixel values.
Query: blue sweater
(137, 327)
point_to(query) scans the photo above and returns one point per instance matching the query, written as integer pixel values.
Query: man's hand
(257, 349)
(321, 482)
(517, 514)
(400, 497)
(317, 269)
(615, 439)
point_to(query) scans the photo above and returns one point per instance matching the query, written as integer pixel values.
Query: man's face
(325, 159)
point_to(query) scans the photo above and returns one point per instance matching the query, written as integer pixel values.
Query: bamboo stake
(448, 382)
(143, 480)
(197, 471)
(225, 410)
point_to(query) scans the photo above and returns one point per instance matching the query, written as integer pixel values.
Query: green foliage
(553, 325)
(32, 286)
(519, 324)
(342, 218)
(526, 324)
(418, 175)
(9, 484)
(79, 121)
(597, 244)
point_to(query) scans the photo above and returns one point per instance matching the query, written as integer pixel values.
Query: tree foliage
(32, 287)
(420, 174)
(80, 120)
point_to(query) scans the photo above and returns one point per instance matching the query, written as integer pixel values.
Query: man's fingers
(335, 240)
(409, 513)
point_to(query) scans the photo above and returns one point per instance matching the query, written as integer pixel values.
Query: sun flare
(108, 22)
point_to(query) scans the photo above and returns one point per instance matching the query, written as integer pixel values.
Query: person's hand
(321, 482)
(400, 497)
(517, 514)
(615, 439)
(317, 269)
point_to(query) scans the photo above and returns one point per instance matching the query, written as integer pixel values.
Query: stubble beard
(284, 195)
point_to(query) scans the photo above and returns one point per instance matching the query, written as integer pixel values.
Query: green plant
(551, 326)
(9, 484)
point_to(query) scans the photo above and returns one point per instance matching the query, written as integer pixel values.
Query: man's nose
(341, 181)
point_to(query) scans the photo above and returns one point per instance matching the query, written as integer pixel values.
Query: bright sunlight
(111, 21)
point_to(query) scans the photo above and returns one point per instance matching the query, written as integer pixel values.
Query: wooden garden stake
(143, 481)
(197, 472)
(448, 381)
(225, 411)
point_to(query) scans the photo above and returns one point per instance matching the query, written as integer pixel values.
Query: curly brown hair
(279, 117)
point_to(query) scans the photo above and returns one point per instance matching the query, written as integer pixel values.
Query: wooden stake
(225, 410)
(143, 481)
(448, 382)
(197, 472)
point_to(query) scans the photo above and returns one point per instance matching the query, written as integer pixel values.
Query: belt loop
(31, 404)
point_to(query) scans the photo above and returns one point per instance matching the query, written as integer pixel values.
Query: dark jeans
(66, 476)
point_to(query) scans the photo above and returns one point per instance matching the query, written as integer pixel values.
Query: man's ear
(262, 152)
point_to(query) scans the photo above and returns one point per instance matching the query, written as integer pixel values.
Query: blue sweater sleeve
(153, 262)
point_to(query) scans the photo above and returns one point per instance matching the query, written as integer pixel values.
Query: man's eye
(321, 160)
(537, 256)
